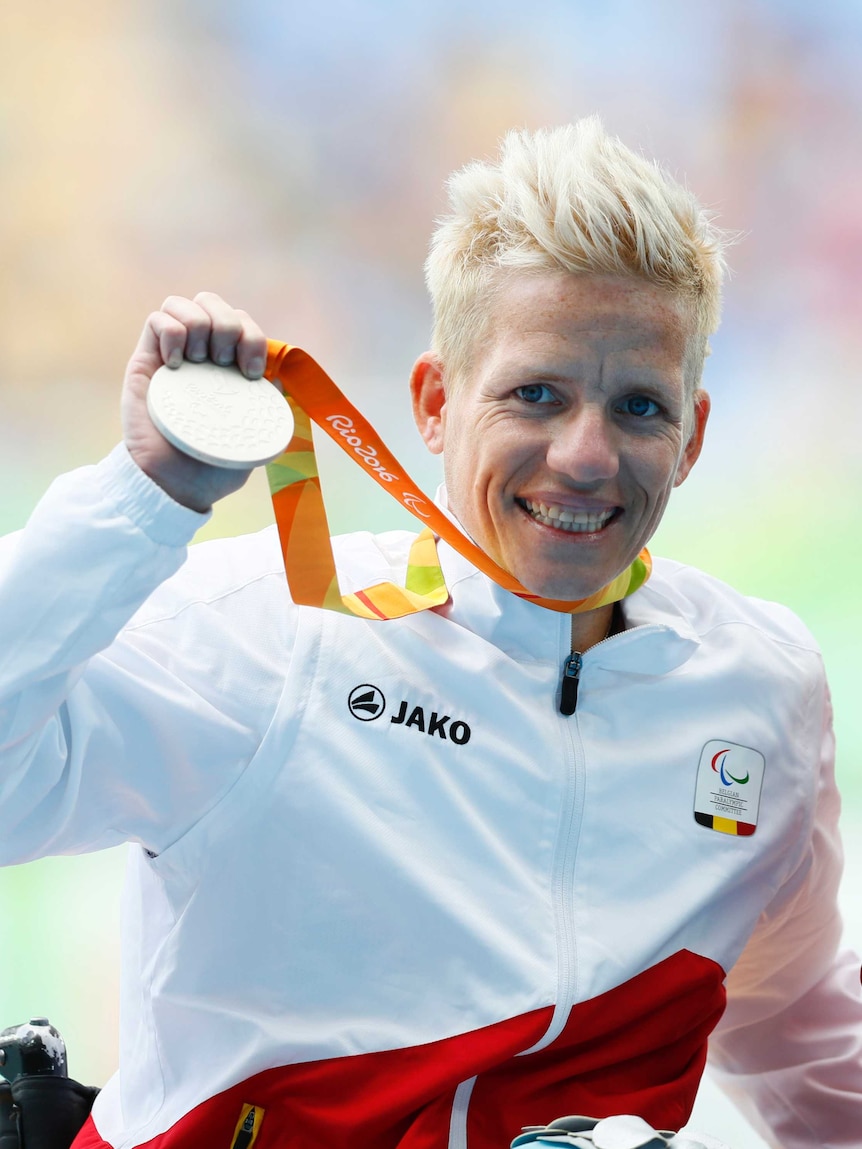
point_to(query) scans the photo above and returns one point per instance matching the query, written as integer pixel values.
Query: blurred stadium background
(292, 157)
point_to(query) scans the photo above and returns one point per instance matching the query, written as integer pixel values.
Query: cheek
(655, 470)
(487, 456)
(457, 452)
(461, 474)
(476, 455)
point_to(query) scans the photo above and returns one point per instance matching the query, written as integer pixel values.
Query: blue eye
(639, 405)
(536, 393)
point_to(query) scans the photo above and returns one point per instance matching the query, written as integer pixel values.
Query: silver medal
(216, 415)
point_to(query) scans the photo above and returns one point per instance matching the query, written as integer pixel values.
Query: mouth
(572, 522)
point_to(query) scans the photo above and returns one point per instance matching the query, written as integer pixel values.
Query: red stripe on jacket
(638, 1048)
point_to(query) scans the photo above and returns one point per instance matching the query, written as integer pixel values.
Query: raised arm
(108, 732)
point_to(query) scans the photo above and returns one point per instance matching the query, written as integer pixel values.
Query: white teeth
(579, 522)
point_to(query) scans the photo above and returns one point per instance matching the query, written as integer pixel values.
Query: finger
(162, 340)
(197, 322)
(251, 349)
(225, 327)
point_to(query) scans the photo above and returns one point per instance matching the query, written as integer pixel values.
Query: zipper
(574, 663)
(569, 685)
(571, 811)
(248, 1127)
(571, 817)
(562, 883)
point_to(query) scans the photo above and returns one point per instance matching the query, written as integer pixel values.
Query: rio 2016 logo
(346, 429)
(719, 765)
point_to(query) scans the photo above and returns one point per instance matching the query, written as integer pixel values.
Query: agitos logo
(719, 765)
(367, 702)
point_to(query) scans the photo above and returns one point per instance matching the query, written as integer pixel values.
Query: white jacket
(449, 911)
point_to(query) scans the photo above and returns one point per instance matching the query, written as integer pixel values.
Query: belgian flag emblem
(729, 784)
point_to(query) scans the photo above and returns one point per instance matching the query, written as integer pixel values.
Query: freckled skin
(577, 398)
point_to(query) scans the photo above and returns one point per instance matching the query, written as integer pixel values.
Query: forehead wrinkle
(611, 307)
(578, 369)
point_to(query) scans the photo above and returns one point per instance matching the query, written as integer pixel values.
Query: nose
(583, 446)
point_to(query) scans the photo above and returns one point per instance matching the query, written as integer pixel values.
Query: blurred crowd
(294, 155)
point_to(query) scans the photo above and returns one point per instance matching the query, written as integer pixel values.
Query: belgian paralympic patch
(729, 782)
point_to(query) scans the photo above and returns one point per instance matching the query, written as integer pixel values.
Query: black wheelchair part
(41, 1107)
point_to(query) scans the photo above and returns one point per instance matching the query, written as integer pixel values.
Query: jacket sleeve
(788, 1050)
(131, 692)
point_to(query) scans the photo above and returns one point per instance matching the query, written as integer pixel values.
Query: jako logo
(719, 765)
(366, 702)
(459, 732)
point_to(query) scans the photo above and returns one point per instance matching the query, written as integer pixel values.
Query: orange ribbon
(300, 514)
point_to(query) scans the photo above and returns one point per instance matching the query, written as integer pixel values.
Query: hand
(201, 328)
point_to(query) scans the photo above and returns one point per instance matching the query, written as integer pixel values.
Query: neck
(592, 627)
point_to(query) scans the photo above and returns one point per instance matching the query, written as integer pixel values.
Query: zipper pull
(248, 1127)
(569, 686)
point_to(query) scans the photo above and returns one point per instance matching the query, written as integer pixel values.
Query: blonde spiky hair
(567, 199)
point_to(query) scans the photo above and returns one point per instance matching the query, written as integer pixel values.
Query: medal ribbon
(303, 530)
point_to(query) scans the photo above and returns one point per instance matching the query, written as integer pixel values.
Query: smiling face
(562, 442)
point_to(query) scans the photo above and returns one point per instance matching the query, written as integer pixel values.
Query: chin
(568, 582)
(561, 588)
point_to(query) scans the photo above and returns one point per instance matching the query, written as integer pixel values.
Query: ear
(429, 400)
(695, 443)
